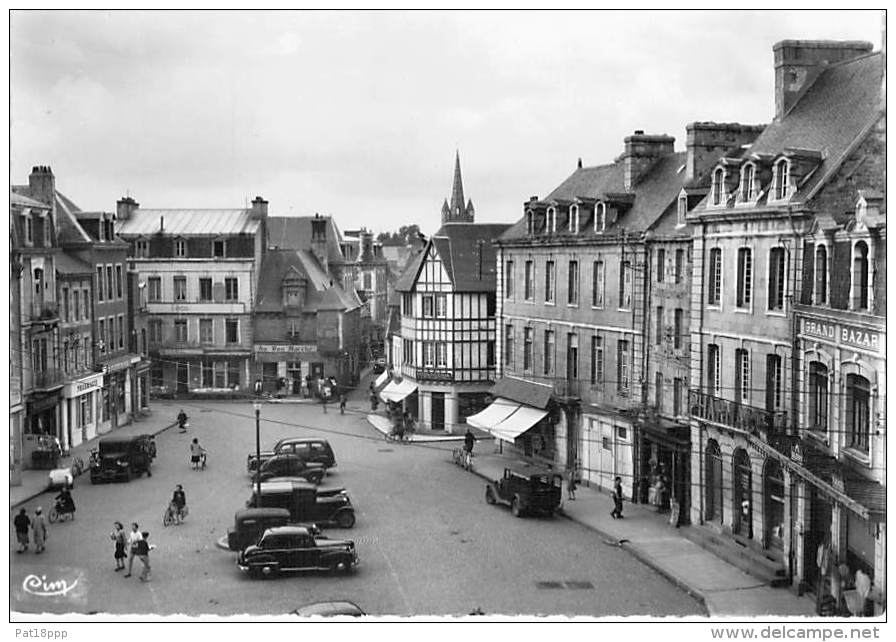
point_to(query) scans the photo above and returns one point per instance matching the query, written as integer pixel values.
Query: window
(490, 354)
(821, 275)
(208, 374)
(368, 281)
(530, 222)
(527, 349)
(180, 288)
(231, 289)
(572, 294)
(860, 276)
(678, 338)
(121, 331)
(441, 354)
(427, 305)
(747, 179)
(660, 264)
(508, 346)
(180, 330)
(782, 179)
(742, 376)
(597, 360)
(408, 351)
(110, 334)
(549, 280)
(530, 281)
(658, 331)
(155, 331)
(441, 305)
(682, 209)
(232, 330)
(574, 219)
(101, 336)
(623, 368)
(65, 307)
(658, 391)
(508, 280)
(713, 370)
(572, 356)
(233, 374)
(679, 265)
(142, 249)
(100, 286)
(777, 262)
(818, 397)
(205, 331)
(154, 285)
(110, 289)
(76, 304)
(429, 354)
(858, 412)
(718, 186)
(552, 221)
(597, 284)
(45, 225)
(744, 277)
(773, 382)
(600, 217)
(220, 374)
(29, 230)
(714, 289)
(625, 285)
(180, 249)
(205, 289)
(677, 393)
(548, 352)
(118, 281)
(218, 249)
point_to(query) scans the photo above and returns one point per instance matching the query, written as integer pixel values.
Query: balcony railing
(45, 379)
(757, 421)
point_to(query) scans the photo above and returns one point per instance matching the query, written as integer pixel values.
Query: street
(428, 543)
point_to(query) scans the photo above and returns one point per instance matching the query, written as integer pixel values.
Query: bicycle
(174, 516)
(57, 513)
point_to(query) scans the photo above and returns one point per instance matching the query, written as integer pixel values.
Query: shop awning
(396, 391)
(521, 420)
(494, 414)
(381, 380)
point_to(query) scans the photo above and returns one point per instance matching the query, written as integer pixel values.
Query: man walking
(143, 548)
(133, 538)
(39, 529)
(342, 404)
(617, 499)
(22, 524)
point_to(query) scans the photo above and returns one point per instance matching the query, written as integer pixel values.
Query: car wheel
(345, 519)
(490, 496)
(516, 508)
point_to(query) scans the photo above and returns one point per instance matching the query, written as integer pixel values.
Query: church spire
(459, 210)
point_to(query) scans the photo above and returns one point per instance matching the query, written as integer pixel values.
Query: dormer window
(748, 183)
(782, 179)
(600, 217)
(28, 225)
(682, 208)
(530, 222)
(718, 187)
(141, 249)
(180, 248)
(552, 221)
(574, 219)
(219, 249)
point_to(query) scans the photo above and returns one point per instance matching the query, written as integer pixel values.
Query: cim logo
(51, 588)
(42, 587)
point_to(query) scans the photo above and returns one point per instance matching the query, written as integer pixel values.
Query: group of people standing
(37, 526)
(131, 545)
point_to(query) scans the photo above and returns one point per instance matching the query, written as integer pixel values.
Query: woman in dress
(120, 538)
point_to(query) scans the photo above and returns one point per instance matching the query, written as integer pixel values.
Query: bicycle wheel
(53, 516)
(168, 519)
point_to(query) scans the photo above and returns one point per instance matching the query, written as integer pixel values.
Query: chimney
(162, 224)
(707, 142)
(259, 208)
(319, 240)
(641, 151)
(42, 185)
(798, 63)
(366, 246)
(125, 207)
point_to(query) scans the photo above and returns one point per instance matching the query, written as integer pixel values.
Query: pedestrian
(22, 524)
(258, 387)
(133, 537)
(182, 420)
(120, 538)
(342, 404)
(39, 529)
(143, 549)
(617, 499)
(571, 484)
(469, 440)
(179, 501)
(196, 452)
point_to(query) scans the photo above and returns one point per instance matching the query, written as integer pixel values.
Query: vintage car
(121, 458)
(526, 492)
(290, 465)
(311, 449)
(295, 548)
(250, 523)
(306, 502)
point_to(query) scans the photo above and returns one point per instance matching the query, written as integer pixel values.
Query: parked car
(311, 449)
(250, 523)
(294, 548)
(290, 465)
(329, 609)
(121, 458)
(306, 503)
(526, 493)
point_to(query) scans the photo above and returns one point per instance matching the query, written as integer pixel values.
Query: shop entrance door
(183, 378)
(819, 528)
(743, 494)
(773, 504)
(438, 411)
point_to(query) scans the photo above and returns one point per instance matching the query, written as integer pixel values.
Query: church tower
(457, 211)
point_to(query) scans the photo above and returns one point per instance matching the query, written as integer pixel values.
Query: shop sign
(847, 334)
(273, 348)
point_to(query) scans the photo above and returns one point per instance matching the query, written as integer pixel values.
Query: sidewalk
(723, 589)
(383, 425)
(34, 482)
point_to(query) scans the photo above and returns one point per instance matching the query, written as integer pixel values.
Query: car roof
(287, 530)
(115, 441)
(250, 513)
(284, 486)
(300, 440)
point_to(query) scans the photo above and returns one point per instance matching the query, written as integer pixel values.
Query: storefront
(79, 409)
(288, 369)
(115, 395)
(663, 458)
(41, 421)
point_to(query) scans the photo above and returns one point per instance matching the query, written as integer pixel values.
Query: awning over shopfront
(396, 391)
(493, 414)
(381, 380)
(507, 419)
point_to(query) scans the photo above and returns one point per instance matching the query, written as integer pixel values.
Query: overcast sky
(358, 114)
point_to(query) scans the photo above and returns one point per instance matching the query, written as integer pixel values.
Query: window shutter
(841, 271)
(218, 292)
(808, 273)
(880, 277)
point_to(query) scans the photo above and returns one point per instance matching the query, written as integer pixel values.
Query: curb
(44, 490)
(635, 552)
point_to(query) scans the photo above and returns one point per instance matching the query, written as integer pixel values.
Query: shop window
(858, 412)
(220, 374)
(208, 374)
(233, 374)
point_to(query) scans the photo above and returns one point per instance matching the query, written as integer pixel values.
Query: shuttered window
(807, 286)
(840, 275)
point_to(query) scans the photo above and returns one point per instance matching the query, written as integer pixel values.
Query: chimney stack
(707, 142)
(319, 240)
(125, 207)
(641, 152)
(798, 63)
(259, 208)
(42, 185)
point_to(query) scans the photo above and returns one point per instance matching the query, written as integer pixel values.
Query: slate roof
(294, 233)
(24, 201)
(68, 264)
(319, 295)
(187, 222)
(527, 392)
(67, 227)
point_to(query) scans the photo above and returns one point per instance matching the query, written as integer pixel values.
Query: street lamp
(257, 406)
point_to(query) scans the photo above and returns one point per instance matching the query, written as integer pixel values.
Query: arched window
(858, 412)
(860, 276)
(782, 179)
(821, 275)
(600, 217)
(552, 221)
(682, 209)
(574, 219)
(530, 222)
(718, 186)
(747, 178)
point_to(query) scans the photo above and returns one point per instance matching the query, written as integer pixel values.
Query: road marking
(404, 598)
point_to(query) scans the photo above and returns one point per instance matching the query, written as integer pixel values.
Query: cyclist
(179, 502)
(64, 501)
(196, 453)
